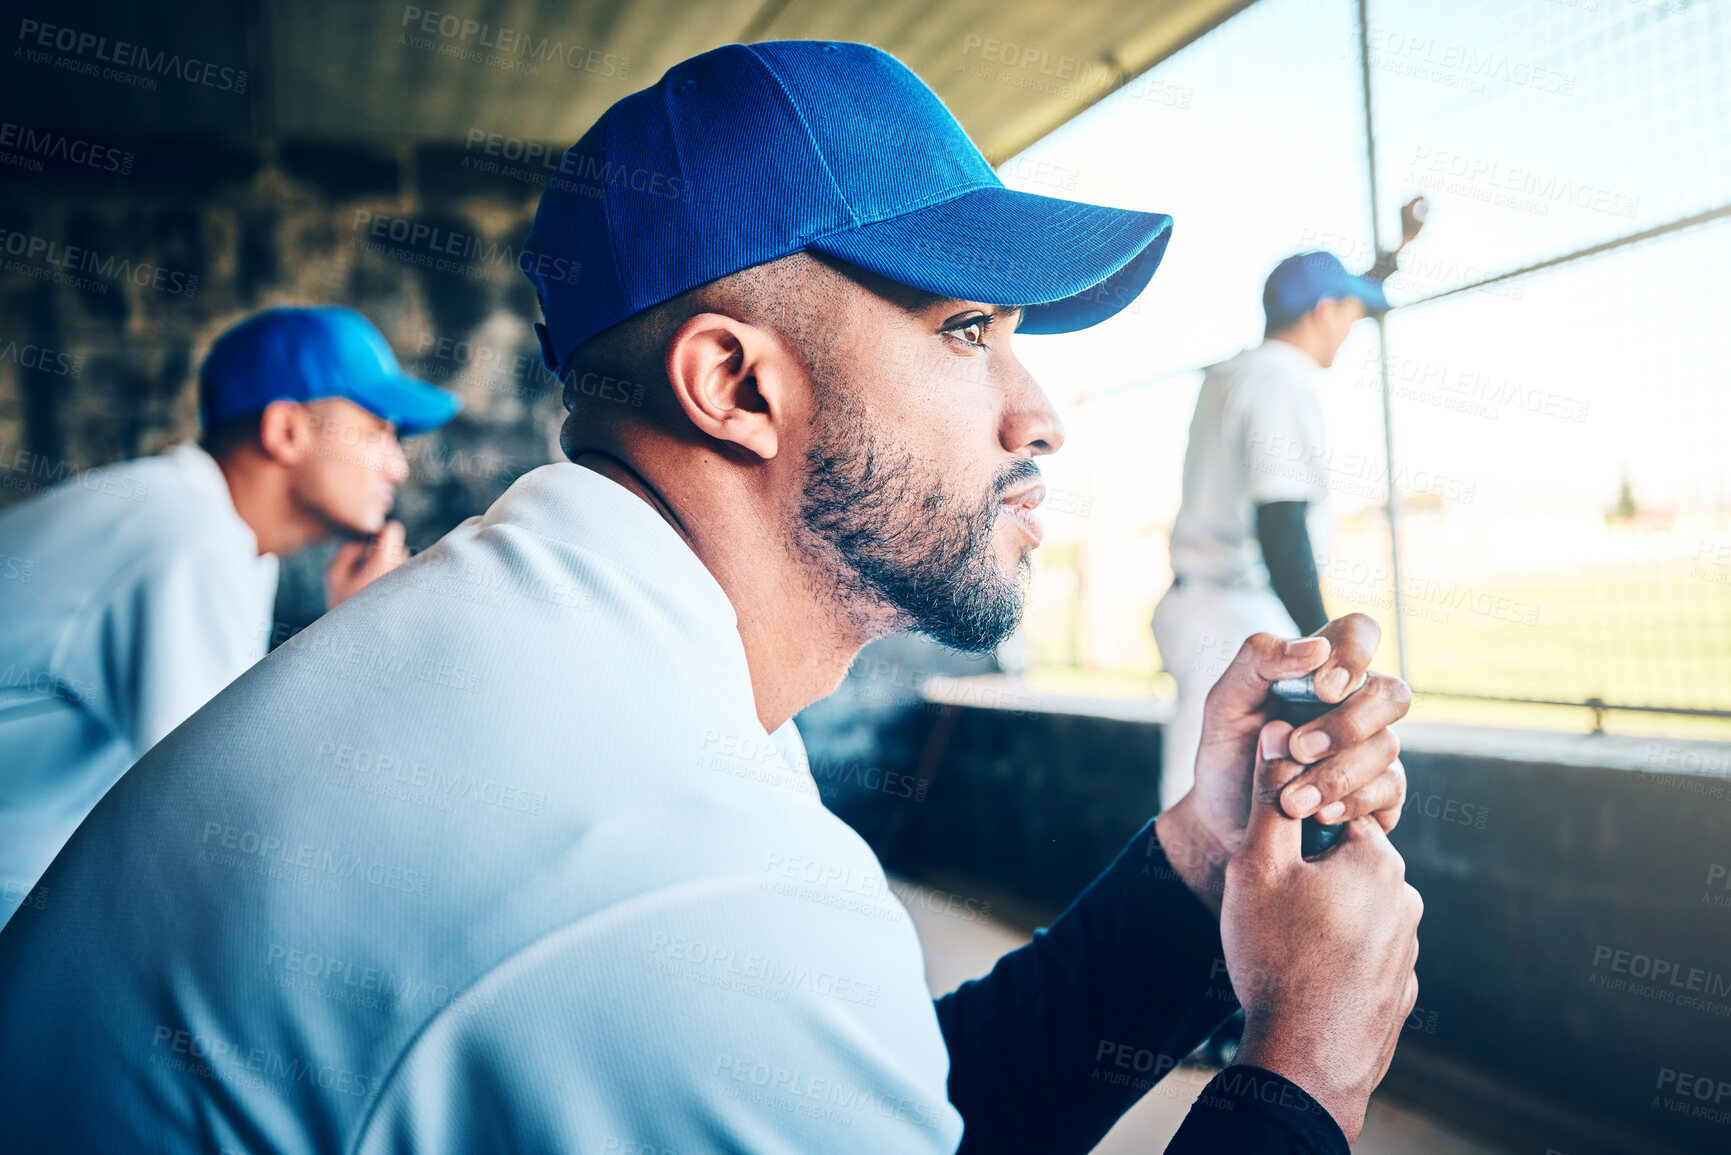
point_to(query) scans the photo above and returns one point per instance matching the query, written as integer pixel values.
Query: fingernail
(1335, 680)
(1304, 647)
(1273, 744)
(1311, 744)
(1302, 801)
(1331, 813)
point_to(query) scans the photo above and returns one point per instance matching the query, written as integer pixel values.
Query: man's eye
(973, 331)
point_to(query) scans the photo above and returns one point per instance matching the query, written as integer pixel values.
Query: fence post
(1393, 507)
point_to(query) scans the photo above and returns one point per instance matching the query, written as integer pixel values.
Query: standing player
(1253, 523)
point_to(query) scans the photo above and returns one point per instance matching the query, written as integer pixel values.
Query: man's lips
(1021, 508)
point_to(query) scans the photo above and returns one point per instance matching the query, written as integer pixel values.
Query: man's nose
(396, 462)
(1032, 426)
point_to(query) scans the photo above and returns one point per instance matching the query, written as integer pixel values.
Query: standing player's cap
(750, 153)
(1299, 283)
(303, 353)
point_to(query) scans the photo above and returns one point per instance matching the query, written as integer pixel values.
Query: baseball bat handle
(1297, 703)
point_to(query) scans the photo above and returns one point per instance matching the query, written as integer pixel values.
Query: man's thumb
(347, 556)
(1270, 832)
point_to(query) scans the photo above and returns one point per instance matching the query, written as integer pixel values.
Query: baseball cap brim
(1070, 265)
(1368, 291)
(412, 405)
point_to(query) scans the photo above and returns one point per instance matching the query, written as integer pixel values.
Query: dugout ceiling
(381, 71)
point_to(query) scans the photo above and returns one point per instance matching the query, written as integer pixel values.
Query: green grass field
(1653, 634)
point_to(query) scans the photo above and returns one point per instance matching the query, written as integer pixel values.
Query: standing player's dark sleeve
(1291, 564)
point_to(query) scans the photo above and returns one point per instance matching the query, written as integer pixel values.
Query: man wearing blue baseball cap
(1252, 523)
(150, 583)
(519, 850)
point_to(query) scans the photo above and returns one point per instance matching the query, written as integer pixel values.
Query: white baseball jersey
(128, 597)
(1257, 436)
(496, 856)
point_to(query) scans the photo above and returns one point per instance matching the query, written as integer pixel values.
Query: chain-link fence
(1527, 463)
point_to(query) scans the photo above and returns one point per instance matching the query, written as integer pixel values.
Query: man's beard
(904, 540)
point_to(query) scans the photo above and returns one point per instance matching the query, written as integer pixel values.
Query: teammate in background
(150, 583)
(1253, 522)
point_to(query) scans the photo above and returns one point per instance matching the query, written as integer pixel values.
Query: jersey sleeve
(185, 624)
(716, 1021)
(1276, 424)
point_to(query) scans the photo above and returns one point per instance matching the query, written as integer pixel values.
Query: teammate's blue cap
(1298, 283)
(303, 353)
(749, 153)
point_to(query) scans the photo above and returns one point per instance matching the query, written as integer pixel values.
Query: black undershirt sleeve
(1291, 564)
(1067, 1033)
(1247, 1110)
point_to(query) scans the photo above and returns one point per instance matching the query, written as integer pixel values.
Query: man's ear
(735, 382)
(285, 431)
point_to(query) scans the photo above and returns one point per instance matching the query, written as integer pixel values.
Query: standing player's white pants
(1198, 627)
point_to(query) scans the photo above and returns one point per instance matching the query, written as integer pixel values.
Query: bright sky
(1535, 127)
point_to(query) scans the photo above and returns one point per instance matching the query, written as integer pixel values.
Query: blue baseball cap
(303, 353)
(1298, 283)
(750, 153)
